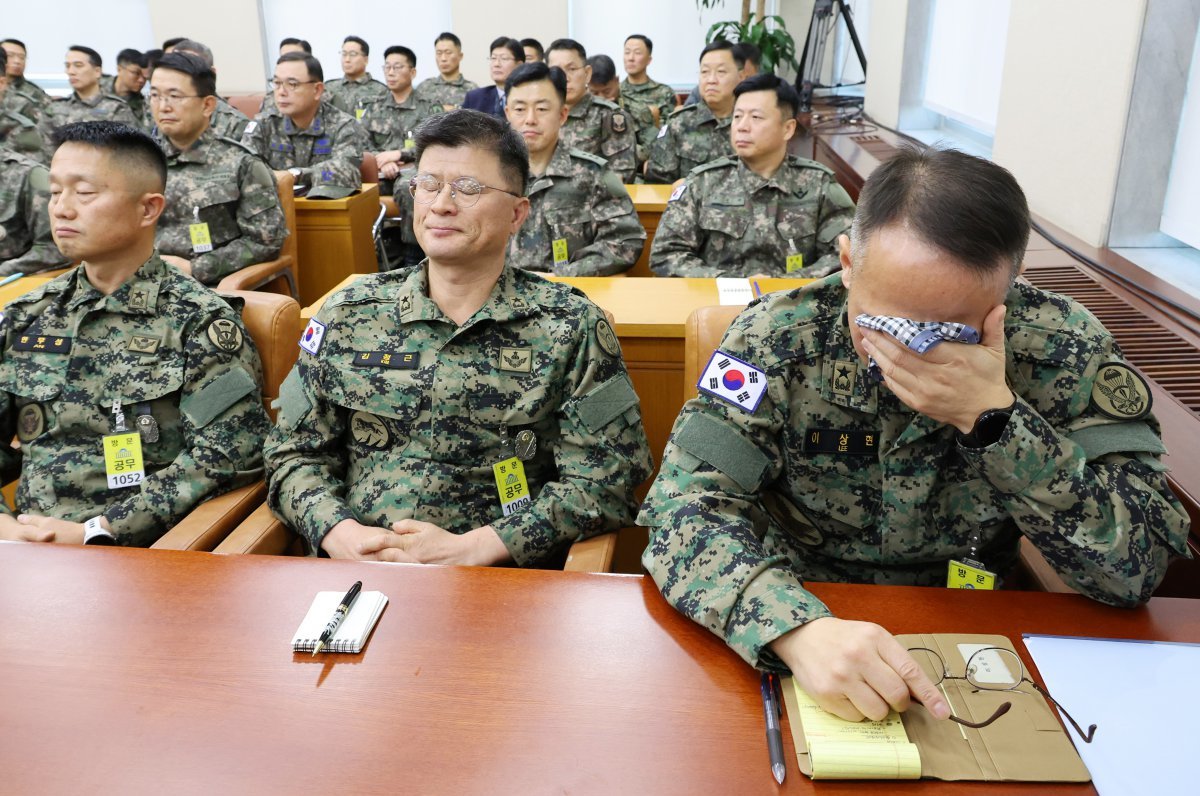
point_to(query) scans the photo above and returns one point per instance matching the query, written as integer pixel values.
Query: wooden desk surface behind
(19, 287)
(137, 671)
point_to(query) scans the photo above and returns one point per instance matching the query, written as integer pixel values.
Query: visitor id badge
(962, 575)
(560, 251)
(410, 143)
(201, 240)
(123, 460)
(511, 485)
(358, 113)
(795, 262)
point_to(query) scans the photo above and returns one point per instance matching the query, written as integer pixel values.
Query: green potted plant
(766, 32)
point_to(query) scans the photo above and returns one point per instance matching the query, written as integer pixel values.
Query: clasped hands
(414, 542)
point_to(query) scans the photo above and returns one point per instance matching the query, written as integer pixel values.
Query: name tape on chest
(402, 360)
(314, 335)
(732, 380)
(42, 344)
(840, 441)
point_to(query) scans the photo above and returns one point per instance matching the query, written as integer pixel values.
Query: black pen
(774, 735)
(338, 616)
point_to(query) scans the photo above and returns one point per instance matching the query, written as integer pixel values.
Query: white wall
(1064, 100)
(232, 29)
(1181, 211)
(48, 29)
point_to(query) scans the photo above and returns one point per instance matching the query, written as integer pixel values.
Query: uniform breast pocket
(382, 408)
(36, 389)
(572, 223)
(150, 400)
(797, 226)
(836, 500)
(502, 411)
(723, 226)
(218, 209)
(966, 510)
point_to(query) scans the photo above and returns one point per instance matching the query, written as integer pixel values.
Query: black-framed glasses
(290, 85)
(465, 191)
(990, 669)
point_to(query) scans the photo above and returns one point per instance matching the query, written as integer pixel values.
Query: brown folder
(1027, 744)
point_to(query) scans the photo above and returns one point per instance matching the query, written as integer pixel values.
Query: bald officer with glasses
(461, 411)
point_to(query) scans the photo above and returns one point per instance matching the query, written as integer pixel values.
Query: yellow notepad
(351, 635)
(841, 749)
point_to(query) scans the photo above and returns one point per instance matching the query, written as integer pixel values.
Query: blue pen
(10, 279)
(771, 711)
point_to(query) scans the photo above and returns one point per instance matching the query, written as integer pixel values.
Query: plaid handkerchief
(920, 336)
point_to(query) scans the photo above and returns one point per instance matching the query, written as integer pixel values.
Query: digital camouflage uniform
(329, 152)
(651, 95)
(691, 137)
(355, 96)
(31, 91)
(227, 121)
(26, 245)
(390, 124)
(18, 126)
(580, 201)
(401, 414)
(187, 376)
(831, 478)
(600, 127)
(726, 220)
(223, 184)
(437, 91)
(67, 110)
(136, 102)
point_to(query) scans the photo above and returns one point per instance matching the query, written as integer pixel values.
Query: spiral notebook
(352, 633)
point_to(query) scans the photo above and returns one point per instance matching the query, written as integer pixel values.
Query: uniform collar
(317, 127)
(138, 296)
(196, 153)
(89, 103)
(510, 299)
(362, 81)
(784, 179)
(844, 378)
(580, 109)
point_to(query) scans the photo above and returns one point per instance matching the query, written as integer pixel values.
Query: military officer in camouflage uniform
(461, 411)
(795, 464)
(321, 145)
(88, 102)
(696, 134)
(593, 124)
(14, 49)
(26, 246)
(581, 220)
(763, 213)
(122, 358)
(226, 120)
(391, 121)
(132, 72)
(222, 210)
(649, 103)
(448, 88)
(18, 118)
(356, 90)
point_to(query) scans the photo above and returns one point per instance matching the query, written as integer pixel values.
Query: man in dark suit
(506, 55)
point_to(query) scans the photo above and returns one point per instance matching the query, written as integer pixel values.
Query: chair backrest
(702, 334)
(246, 103)
(273, 322)
(369, 168)
(286, 185)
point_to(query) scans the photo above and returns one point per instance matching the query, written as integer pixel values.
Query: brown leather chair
(246, 103)
(702, 334)
(278, 275)
(369, 168)
(273, 322)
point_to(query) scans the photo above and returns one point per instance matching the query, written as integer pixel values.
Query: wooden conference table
(136, 671)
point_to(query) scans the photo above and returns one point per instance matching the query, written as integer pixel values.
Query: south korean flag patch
(314, 335)
(733, 380)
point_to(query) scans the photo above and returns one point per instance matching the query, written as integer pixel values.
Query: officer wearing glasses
(461, 411)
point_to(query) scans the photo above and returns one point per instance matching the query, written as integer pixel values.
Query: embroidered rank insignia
(314, 335)
(226, 335)
(369, 431)
(618, 122)
(516, 360)
(31, 422)
(137, 300)
(606, 338)
(1120, 392)
(730, 379)
(405, 360)
(43, 344)
(849, 443)
(143, 344)
(844, 375)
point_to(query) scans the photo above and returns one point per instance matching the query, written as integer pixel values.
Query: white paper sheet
(1143, 699)
(734, 290)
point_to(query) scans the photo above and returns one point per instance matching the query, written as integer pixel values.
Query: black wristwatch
(988, 428)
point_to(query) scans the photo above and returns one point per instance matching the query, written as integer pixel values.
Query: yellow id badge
(358, 113)
(560, 251)
(410, 143)
(123, 460)
(795, 262)
(201, 240)
(511, 485)
(961, 575)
